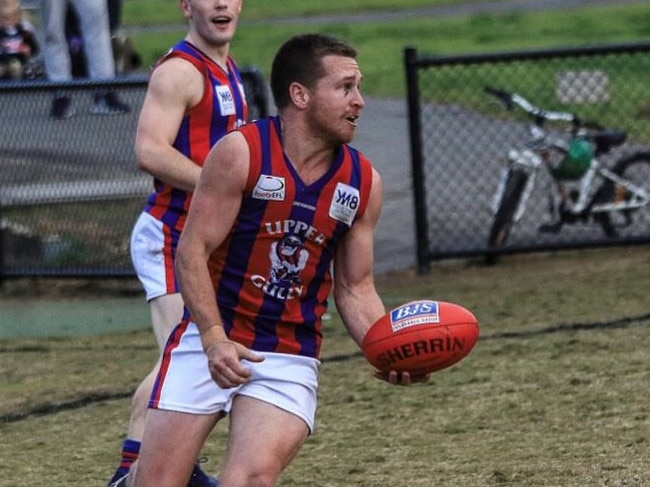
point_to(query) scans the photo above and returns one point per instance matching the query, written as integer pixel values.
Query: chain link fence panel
(70, 190)
(461, 138)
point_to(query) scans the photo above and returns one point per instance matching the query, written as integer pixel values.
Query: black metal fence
(70, 190)
(460, 138)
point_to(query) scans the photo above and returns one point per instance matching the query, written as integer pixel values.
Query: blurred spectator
(17, 41)
(114, 15)
(124, 56)
(96, 38)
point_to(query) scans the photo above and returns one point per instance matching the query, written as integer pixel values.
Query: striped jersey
(273, 274)
(221, 109)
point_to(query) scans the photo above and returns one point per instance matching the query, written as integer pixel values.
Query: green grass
(381, 48)
(554, 394)
(152, 12)
(381, 44)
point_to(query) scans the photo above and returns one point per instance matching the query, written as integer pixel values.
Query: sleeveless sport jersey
(272, 276)
(221, 109)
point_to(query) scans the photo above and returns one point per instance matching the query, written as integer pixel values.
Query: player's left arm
(355, 295)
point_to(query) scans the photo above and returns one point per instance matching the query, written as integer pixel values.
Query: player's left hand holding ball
(415, 339)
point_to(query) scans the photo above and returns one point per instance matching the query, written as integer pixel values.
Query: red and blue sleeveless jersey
(273, 274)
(222, 108)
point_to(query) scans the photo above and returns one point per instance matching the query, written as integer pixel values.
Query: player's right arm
(175, 86)
(213, 212)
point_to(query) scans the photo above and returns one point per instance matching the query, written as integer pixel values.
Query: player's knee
(248, 476)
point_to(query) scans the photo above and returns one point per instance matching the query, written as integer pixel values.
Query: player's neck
(218, 53)
(310, 155)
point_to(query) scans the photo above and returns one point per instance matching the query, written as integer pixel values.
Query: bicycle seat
(608, 138)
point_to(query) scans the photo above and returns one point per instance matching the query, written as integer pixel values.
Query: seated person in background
(17, 41)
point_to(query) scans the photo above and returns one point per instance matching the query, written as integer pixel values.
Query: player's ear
(185, 8)
(299, 95)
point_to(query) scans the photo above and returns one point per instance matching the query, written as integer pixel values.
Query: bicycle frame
(640, 196)
(530, 161)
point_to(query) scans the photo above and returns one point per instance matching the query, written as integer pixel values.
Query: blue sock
(130, 452)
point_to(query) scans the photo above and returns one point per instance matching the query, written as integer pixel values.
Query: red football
(420, 337)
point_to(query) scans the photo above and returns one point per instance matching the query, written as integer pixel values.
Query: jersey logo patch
(288, 258)
(345, 204)
(270, 188)
(226, 100)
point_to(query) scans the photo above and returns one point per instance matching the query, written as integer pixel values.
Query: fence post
(415, 136)
(2, 248)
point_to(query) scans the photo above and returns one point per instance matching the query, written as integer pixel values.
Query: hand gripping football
(420, 337)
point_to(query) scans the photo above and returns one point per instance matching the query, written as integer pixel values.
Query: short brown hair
(300, 60)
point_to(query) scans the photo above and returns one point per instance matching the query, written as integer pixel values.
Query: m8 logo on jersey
(345, 203)
(226, 100)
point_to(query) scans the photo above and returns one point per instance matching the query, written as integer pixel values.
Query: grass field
(381, 43)
(554, 394)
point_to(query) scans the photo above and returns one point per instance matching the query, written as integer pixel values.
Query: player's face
(215, 21)
(336, 101)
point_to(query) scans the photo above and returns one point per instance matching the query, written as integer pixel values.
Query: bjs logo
(414, 313)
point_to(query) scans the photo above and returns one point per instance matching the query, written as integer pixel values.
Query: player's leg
(166, 313)
(185, 404)
(171, 444)
(270, 419)
(153, 264)
(263, 439)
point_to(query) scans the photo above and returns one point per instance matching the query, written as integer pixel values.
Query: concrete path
(383, 137)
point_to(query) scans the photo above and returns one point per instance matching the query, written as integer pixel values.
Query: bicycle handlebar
(509, 99)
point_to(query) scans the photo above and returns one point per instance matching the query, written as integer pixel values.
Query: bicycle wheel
(636, 169)
(504, 217)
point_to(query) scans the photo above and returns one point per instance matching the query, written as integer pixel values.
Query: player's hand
(225, 363)
(401, 378)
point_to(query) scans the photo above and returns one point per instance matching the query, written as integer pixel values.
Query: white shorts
(184, 384)
(153, 247)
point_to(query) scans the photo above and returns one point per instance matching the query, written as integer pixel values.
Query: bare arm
(354, 290)
(212, 214)
(174, 87)
(356, 298)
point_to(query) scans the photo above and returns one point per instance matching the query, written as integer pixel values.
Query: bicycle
(583, 190)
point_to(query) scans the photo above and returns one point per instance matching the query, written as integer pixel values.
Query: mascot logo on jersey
(287, 257)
